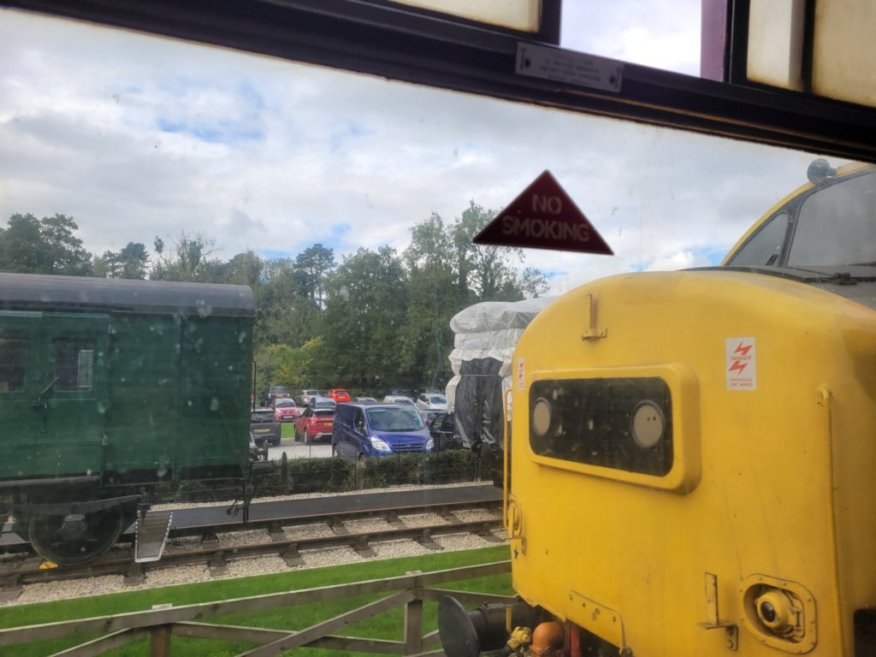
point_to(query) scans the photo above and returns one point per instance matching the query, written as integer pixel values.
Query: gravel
(264, 565)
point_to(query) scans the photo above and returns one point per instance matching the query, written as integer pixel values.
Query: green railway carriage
(108, 387)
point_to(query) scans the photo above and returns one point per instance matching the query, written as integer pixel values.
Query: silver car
(432, 401)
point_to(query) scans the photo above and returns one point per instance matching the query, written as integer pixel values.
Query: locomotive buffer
(151, 534)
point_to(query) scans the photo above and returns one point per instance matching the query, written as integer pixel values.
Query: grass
(386, 626)
(287, 430)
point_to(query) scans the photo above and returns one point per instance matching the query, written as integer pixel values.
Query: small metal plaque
(567, 66)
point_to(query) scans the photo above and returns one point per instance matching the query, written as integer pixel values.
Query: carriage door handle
(41, 403)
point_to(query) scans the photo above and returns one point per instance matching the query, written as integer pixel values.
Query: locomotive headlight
(776, 612)
(541, 416)
(649, 424)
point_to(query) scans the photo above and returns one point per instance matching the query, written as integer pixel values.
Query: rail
(164, 621)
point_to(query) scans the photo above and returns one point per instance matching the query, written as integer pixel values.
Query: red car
(339, 395)
(314, 424)
(285, 409)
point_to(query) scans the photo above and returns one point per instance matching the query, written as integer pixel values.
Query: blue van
(368, 429)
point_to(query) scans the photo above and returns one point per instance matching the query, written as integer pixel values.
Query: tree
(313, 265)
(486, 271)
(283, 314)
(365, 310)
(433, 298)
(131, 262)
(44, 246)
(189, 261)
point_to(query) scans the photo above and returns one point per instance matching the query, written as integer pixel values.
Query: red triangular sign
(544, 217)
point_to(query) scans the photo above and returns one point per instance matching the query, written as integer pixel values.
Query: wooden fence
(161, 623)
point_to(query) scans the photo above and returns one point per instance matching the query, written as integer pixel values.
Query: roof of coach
(84, 294)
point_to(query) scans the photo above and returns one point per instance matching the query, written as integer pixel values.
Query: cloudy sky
(136, 136)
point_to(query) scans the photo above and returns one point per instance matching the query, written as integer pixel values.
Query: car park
(285, 409)
(315, 424)
(263, 428)
(398, 399)
(364, 429)
(432, 401)
(339, 395)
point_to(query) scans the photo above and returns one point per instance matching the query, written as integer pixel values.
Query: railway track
(207, 528)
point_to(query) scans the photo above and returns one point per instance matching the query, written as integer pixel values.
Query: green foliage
(319, 475)
(131, 262)
(44, 246)
(189, 261)
(365, 311)
(378, 321)
(451, 466)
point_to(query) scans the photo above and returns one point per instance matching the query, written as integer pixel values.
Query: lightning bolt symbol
(737, 366)
(743, 350)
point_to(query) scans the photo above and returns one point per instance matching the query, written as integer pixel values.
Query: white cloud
(137, 136)
(654, 33)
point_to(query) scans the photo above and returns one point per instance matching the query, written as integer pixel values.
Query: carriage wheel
(75, 539)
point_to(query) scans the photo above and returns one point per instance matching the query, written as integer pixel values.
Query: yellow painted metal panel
(785, 487)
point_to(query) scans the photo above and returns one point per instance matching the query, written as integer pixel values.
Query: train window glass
(835, 225)
(664, 35)
(74, 364)
(13, 359)
(348, 204)
(765, 246)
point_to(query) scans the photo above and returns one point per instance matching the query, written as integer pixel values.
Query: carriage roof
(39, 292)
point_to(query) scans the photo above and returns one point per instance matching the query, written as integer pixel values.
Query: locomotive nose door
(69, 395)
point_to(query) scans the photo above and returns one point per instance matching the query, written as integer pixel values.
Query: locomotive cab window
(765, 246)
(837, 225)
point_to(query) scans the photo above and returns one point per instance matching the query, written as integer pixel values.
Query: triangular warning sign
(544, 217)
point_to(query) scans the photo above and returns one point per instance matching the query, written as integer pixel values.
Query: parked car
(398, 399)
(257, 452)
(364, 429)
(339, 395)
(314, 424)
(444, 433)
(274, 392)
(285, 409)
(429, 416)
(432, 401)
(263, 428)
(322, 402)
(307, 394)
(368, 400)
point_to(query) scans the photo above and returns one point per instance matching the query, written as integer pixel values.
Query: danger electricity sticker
(741, 364)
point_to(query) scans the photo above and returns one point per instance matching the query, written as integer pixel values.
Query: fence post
(284, 474)
(160, 641)
(414, 619)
